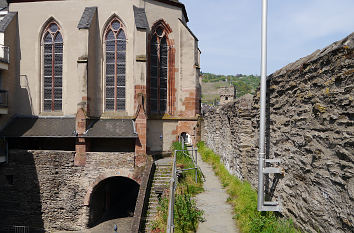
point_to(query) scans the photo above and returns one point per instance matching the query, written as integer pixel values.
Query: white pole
(262, 108)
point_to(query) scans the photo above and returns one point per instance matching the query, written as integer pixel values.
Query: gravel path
(217, 212)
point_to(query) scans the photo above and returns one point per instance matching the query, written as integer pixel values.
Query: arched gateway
(112, 198)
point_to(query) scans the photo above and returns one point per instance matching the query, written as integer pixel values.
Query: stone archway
(112, 198)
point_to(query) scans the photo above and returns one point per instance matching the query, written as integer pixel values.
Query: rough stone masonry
(310, 127)
(48, 193)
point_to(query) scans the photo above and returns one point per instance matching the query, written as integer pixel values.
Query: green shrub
(187, 215)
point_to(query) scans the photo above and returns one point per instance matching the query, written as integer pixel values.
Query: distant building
(227, 94)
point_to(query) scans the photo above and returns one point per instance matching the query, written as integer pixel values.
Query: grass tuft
(244, 200)
(187, 215)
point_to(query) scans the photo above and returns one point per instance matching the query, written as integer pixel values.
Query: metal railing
(173, 184)
(4, 53)
(3, 98)
(21, 229)
(174, 180)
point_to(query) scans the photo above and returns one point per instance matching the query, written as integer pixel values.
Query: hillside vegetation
(211, 83)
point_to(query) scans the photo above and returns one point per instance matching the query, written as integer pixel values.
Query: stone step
(160, 184)
(163, 175)
(163, 172)
(161, 180)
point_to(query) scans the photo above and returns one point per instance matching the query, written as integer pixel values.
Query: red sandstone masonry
(190, 103)
(140, 124)
(171, 67)
(171, 80)
(80, 147)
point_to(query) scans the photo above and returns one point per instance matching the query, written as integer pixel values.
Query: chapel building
(98, 75)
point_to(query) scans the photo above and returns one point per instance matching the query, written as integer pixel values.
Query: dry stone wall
(310, 126)
(49, 192)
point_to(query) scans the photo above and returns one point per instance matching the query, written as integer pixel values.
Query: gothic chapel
(95, 87)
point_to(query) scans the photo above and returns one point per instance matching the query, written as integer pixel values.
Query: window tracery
(115, 52)
(52, 68)
(158, 71)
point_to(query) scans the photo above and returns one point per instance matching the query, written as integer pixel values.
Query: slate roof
(3, 4)
(6, 21)
(86, 18)
(140, 18)
(65, 127)
(111, 128)
(170, 2)
(39, 127)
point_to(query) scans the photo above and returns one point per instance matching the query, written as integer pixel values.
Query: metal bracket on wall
(271, 205)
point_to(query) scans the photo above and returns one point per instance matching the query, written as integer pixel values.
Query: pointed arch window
(158, 71)
(52, 68)
(115, 52)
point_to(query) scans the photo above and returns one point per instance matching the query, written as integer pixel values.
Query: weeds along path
(217, 212)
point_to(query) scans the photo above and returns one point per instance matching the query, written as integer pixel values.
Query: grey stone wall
(310, 127)
(49, 192)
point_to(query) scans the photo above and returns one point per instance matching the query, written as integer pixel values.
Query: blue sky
(229, 31)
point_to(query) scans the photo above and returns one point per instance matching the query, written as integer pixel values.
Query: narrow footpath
(217, 212)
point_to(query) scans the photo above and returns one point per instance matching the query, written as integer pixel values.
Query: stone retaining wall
(310, 127)
(49, 192)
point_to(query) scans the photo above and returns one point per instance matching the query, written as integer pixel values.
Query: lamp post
(262, 108)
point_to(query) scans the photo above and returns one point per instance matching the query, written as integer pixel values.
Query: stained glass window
(52, 68)
(158, 71)
(115, 41)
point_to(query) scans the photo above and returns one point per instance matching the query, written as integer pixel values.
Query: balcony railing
(4, 53)
(3, 99)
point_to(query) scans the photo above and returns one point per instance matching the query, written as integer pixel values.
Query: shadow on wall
(269, 183)
(20, 100)
(155, 135)
(95, 54)
(113, 198)
(20, 200)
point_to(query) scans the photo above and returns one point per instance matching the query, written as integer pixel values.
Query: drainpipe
(262, 108)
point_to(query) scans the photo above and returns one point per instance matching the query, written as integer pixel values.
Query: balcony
(4, 57)
(3, 102)
(4, 53)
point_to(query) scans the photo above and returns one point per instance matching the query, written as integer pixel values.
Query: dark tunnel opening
(113, 198)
